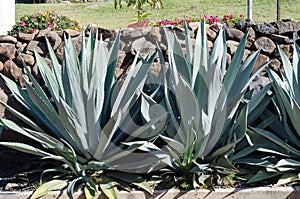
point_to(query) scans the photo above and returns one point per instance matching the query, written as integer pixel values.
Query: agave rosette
(277, 138)
(206, 102)
(90, 122)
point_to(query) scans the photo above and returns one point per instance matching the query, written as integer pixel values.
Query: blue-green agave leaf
(108, 186)
(45, 188)
(263, 175)
(25, 148)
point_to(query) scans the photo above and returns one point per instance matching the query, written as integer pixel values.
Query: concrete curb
(249, 193)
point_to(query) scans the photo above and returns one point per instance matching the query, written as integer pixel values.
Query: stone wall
(262, 36)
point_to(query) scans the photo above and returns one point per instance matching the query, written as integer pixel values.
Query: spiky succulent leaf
(109, 188)
(262, 175)
(45, 188)
(288, 178)
(25, 148)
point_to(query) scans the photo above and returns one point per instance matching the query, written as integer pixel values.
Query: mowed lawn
(103, 13)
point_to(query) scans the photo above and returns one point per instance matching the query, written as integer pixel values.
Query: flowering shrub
(176, 22)
(228, 19)
(47, 20)
(211, 19)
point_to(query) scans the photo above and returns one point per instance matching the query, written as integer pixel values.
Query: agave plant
(206, 105)
(90, 122)
(278, 137)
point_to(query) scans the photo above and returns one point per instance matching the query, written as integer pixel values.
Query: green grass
(104, 14)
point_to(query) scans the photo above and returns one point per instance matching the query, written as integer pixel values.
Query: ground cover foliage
(195, 125)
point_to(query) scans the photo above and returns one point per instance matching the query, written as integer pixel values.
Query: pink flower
(22, 23)
(217, 20)
(206, 17)
(164, 22)
(187, 18)
(52, 12)
(34, 18)
(51, 26)
(230, 16)
(32, 30)
(178, 20)
(172, 22)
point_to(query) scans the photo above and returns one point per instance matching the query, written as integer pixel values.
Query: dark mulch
(14, 167)
(10, 179)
